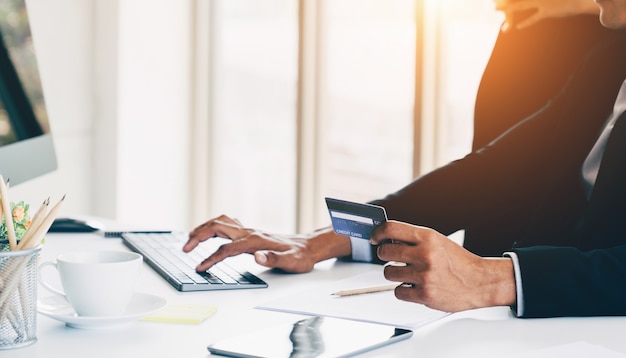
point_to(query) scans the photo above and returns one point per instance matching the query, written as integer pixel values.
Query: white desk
(490, 332)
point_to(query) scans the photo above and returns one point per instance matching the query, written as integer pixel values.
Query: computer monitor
(26, 146)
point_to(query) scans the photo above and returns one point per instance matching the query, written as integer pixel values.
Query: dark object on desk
(67, 224)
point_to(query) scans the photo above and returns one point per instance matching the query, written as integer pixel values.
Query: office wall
(116, 76)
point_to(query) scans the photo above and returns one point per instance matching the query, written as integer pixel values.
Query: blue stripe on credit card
(354, 219)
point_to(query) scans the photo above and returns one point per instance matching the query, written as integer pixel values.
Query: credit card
(355, 219)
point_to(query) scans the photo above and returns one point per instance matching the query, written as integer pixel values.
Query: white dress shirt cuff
(519, 306)
(361, 249)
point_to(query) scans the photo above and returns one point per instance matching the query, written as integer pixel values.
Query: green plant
(21, 222)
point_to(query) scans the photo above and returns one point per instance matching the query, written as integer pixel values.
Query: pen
(360, 291)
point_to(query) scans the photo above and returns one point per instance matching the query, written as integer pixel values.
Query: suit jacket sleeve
(565, 281)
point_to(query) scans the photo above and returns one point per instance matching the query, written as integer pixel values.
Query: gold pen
(360, 291)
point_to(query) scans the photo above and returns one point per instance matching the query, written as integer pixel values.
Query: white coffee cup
(98, 283)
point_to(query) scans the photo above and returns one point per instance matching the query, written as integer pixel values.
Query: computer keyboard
(163, 252)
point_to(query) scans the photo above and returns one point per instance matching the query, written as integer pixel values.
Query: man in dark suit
(529, 66)
(561, 173)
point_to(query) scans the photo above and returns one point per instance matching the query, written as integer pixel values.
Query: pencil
(42, 228)
(36, 220)
(8, 215)
(360, 291)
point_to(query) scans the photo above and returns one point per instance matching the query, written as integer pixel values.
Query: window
(460, 38)
(254, 74)
(360, 58)
(367, 96)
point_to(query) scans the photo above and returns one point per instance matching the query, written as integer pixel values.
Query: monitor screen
(26, 146)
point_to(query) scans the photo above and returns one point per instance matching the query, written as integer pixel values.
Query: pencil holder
(18, 298)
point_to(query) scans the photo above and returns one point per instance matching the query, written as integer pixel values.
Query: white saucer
(141, 305)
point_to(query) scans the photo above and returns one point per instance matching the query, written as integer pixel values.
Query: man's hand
(297, 253)
(440, 273)
(542, 9)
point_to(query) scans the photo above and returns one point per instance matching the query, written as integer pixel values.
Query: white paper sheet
(380, 307)
(578, 349)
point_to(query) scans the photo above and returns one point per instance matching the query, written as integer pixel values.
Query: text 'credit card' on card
(354, 219)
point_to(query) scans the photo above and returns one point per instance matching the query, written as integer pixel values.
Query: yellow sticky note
(182, 313)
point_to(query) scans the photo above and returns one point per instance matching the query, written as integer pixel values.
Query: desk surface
(492, 332)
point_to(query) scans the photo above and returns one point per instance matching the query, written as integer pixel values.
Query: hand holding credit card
(355, 219)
